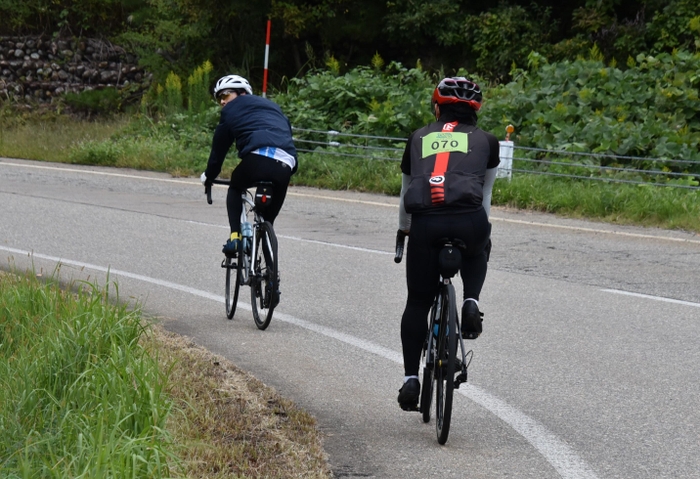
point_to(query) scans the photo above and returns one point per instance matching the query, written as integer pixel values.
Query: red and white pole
(267, 55)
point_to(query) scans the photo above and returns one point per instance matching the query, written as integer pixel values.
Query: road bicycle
(256, 264)
(445, 360)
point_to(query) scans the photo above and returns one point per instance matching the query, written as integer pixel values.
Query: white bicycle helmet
(232, 82)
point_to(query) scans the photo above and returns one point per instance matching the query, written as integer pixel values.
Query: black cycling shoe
(408, 395)
(231, 248)
(471, 320)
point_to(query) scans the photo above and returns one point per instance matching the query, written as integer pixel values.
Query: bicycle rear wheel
(445, 364)
(233, 284)
(264, 294)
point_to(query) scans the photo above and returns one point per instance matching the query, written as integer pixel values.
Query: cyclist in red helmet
(449, 168)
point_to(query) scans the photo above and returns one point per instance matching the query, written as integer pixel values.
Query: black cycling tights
(422, 272)
(251, 169)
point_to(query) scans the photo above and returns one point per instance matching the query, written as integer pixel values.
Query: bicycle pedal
(233, 265)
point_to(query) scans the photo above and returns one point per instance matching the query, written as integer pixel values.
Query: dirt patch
(227, 423)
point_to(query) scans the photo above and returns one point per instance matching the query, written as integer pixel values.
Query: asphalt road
(588, 366)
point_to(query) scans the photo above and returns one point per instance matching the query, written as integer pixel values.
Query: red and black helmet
(458, 90)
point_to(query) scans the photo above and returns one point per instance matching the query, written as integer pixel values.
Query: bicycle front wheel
(264, 287)
(426, 392)
(233, 284)
(445, 364)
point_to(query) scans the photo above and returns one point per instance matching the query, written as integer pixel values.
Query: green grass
(180, 146)
(358, 174)
(664, 207)
(88, 389)
(154, 154)
(80, 396)
(51, 138)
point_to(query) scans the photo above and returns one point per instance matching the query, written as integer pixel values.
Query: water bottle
(246, 230)
(436, 326)
(247, 234)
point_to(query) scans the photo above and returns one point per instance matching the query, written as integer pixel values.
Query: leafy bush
(105, 101)
(647, 110)
(389, 102)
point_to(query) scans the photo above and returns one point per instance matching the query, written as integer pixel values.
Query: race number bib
(444, 142)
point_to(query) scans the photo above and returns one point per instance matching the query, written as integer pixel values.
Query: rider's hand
(204, 179)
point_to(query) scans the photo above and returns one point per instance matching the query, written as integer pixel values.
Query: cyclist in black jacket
(449, 168)
(263, 137)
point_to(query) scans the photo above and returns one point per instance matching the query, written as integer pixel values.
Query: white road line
(101, 173)
(564, 459)
(594, 230)
(345, 200)
(111, 271)
(335, 245)
(364, 202)
(648, 296)
(296, 238)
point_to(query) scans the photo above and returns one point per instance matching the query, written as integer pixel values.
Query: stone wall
(36, 68)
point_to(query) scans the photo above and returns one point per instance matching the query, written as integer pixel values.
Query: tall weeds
(80, 396)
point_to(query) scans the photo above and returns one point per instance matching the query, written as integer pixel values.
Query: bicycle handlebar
(400, 239)
(207, 188)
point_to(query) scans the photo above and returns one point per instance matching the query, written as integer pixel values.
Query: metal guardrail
(517, 159)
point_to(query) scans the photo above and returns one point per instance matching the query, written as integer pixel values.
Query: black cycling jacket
(447, 162)
(252, 122)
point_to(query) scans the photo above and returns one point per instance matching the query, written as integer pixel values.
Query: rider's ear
(436, 111)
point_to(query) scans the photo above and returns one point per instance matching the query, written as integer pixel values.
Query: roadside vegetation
(50, 136)
(614, 78)
(91, 389)
(644, 110)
